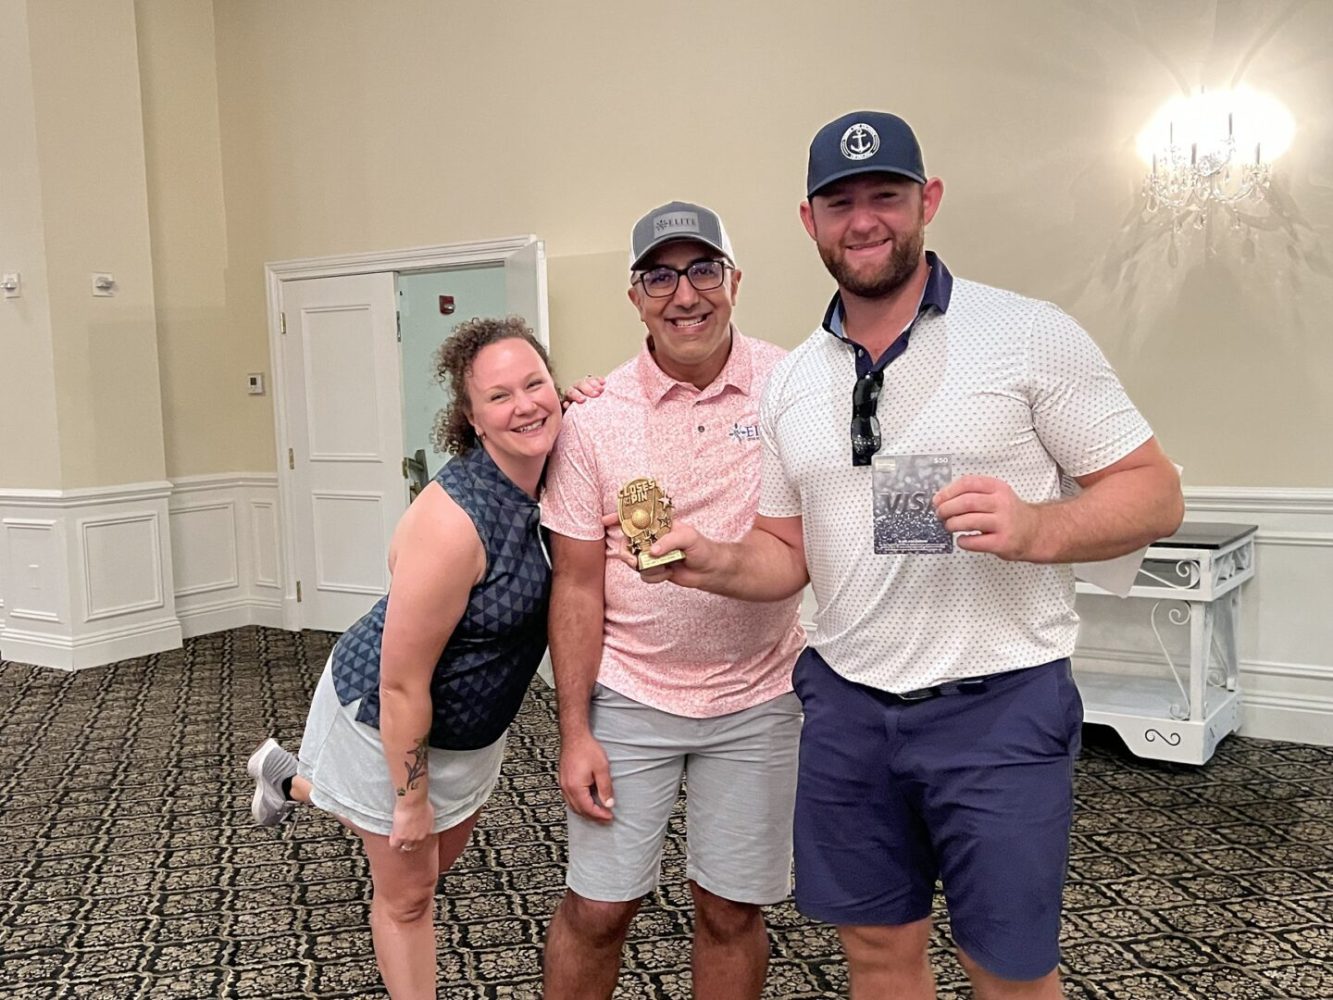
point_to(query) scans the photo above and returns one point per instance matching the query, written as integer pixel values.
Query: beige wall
(90, 146)
(593, 326)
(78, 121)
(209, 423)
(29, 437)
(346, 126)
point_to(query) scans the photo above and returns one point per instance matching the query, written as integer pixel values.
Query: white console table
(1193, 579)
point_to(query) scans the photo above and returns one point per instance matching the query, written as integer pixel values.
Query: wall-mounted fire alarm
(446, 305)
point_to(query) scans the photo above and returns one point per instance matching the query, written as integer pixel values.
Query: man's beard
(902, 262)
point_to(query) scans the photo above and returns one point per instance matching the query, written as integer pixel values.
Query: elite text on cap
(678, 220)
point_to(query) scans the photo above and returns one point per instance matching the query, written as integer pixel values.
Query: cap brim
(679, 238)
(864, 169)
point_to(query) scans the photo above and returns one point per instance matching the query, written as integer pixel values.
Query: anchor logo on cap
(860, 142)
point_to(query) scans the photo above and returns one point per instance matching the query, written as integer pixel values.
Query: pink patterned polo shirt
(682, 651)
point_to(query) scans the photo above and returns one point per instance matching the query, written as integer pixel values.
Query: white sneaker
(270, 766)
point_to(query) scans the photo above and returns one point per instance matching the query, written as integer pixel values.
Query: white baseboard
(223, 615)
(64, 652)
(1290, 718)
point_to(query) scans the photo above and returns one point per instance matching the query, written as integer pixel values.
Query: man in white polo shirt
(914, 447)
(655, 683)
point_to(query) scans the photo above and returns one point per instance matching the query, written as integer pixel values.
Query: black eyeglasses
(661, 281)
(865, 424)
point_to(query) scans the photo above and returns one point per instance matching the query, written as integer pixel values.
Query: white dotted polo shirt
(1006, 386)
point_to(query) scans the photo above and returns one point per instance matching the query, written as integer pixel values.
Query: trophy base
(648, 562)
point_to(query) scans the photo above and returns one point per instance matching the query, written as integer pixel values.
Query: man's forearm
(575, 631)
(1112, 517)
(760, 567)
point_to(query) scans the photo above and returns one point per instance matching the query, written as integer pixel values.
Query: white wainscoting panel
(203, 566)
(91, 576)
(87, 574)
(1286, 620)
(225, 552)
(34, 569)
(122, 565)
(264, 539)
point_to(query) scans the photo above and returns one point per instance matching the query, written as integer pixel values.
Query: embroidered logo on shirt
(748, 432)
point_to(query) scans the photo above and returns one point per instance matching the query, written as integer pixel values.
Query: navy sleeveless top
(484, 670)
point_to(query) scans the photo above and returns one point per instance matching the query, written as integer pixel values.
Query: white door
(525, 287)
(344, 416)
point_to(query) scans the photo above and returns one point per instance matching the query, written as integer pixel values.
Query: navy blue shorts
(974, 788)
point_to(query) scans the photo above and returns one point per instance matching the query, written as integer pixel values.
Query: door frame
(429, 258)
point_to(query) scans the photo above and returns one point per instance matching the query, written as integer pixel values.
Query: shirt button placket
(673, 451)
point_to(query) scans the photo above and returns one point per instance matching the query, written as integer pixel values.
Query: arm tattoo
(416, 766)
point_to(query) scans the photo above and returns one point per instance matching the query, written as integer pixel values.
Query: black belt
(969, 685)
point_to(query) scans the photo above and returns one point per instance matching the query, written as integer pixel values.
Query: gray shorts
(740, 773)
(344, 762)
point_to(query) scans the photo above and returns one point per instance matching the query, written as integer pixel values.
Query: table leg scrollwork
(1179, 613)
(1186, 569)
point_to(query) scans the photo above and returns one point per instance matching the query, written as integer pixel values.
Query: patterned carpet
(129, 867)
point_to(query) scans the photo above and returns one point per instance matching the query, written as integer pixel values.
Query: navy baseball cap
(860, 143)
(678, 220)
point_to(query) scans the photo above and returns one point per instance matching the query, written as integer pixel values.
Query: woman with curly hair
(407, 726)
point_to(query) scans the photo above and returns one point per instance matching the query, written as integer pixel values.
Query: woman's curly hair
(453, 431)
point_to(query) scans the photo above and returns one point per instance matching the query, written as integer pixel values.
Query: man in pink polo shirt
(655, 683)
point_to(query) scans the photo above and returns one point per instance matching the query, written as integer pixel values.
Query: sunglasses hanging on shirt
(865, 422)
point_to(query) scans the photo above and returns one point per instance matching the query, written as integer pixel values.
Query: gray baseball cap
(677, 220)
(863, 142)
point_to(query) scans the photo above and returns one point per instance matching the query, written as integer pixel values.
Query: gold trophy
(645, 516)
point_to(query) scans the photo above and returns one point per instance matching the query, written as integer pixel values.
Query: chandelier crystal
(1211, 153)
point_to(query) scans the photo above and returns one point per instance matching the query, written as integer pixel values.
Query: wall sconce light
(1213, 151)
